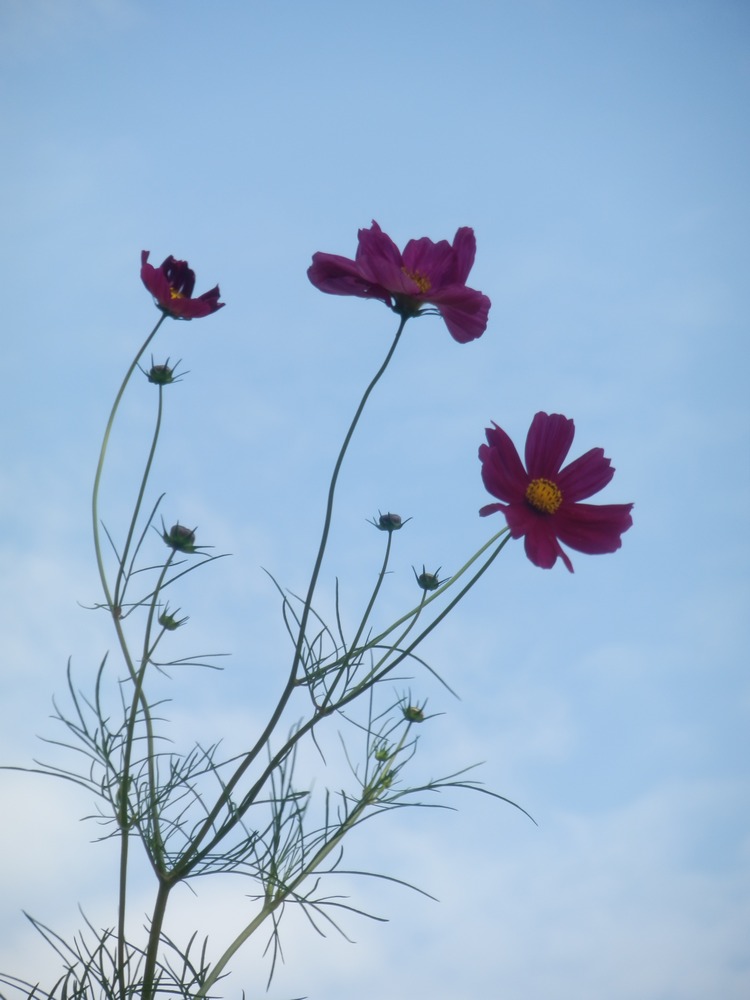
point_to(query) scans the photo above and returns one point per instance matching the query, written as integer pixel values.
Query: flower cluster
(541, 502)
(191, 812)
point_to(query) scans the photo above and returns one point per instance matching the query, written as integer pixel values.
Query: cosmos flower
(172, 287)
(541, 502)
(426, 274)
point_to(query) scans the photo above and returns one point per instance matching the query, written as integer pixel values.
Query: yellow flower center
(543, 495)
(422, 282)
(174, 294)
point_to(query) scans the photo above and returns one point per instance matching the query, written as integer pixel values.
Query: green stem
(192, 854)
(102, 456)
(116, 613)
(123, 576)
(416, 611)
(347, 658)
(369, 795)
(379, 672)
(331, 492)
(152, 952)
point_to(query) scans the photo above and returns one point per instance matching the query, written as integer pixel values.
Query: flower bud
(428, 581)
(413, 713)
(169, 622)
(389, 522)
(161, 374)
(180, 538)
(164, 374)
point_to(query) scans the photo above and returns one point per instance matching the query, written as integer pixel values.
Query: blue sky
(600, 152)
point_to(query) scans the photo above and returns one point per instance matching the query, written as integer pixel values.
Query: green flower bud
(169, 622)
(161, 375)
(428, 581)
(389, 522)
(413, 713)
(180, 538)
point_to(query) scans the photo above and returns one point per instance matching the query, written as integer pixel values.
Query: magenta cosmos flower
(542, 501)
(426, 274)
(172, 286)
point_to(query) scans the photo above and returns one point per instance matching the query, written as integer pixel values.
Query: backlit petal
(503, 473)
(592, 528)
(465, 312)
(547, 444)
(585, 476)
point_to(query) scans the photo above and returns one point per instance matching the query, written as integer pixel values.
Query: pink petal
(464, 311)
(585, 476)
(204, 305)
(492, 508)
(341, 276)
(379, 261)
(592, 528)
(154, 279)
(540, 539)
(464, 248)
(503, 473)
(547, 443)
(433, 260)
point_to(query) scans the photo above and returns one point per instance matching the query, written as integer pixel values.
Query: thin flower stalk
(276, 715)
(369, 795)
(102, 456)
(120, 582)
(354, 652)
(380, 670)
(378, 640)
(122, 642)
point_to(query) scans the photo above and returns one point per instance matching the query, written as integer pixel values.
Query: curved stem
(425, 600)
(122, 574)
(369, 795)
(378, 674)
(331, 492)
(346, 659)
(116, 612)
(193, 853)
(157, 922)
(102, 456)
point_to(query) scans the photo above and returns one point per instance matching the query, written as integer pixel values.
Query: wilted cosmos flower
(542, 501)
(426, 274)
(172, 287)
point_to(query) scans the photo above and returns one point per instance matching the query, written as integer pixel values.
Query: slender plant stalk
(122, 575)
(347, 658)
(102, 456)
(187, 860)
(343, 671)
(369, 795)
(116, 617)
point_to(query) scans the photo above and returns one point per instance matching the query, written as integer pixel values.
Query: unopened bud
(428, 581)
(389, 522)
(169, 622)
(413, 713)
(180, 538)
(161, 374)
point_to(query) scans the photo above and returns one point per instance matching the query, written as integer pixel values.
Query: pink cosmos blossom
(541, 501)
(425, 274)
(172, 286)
